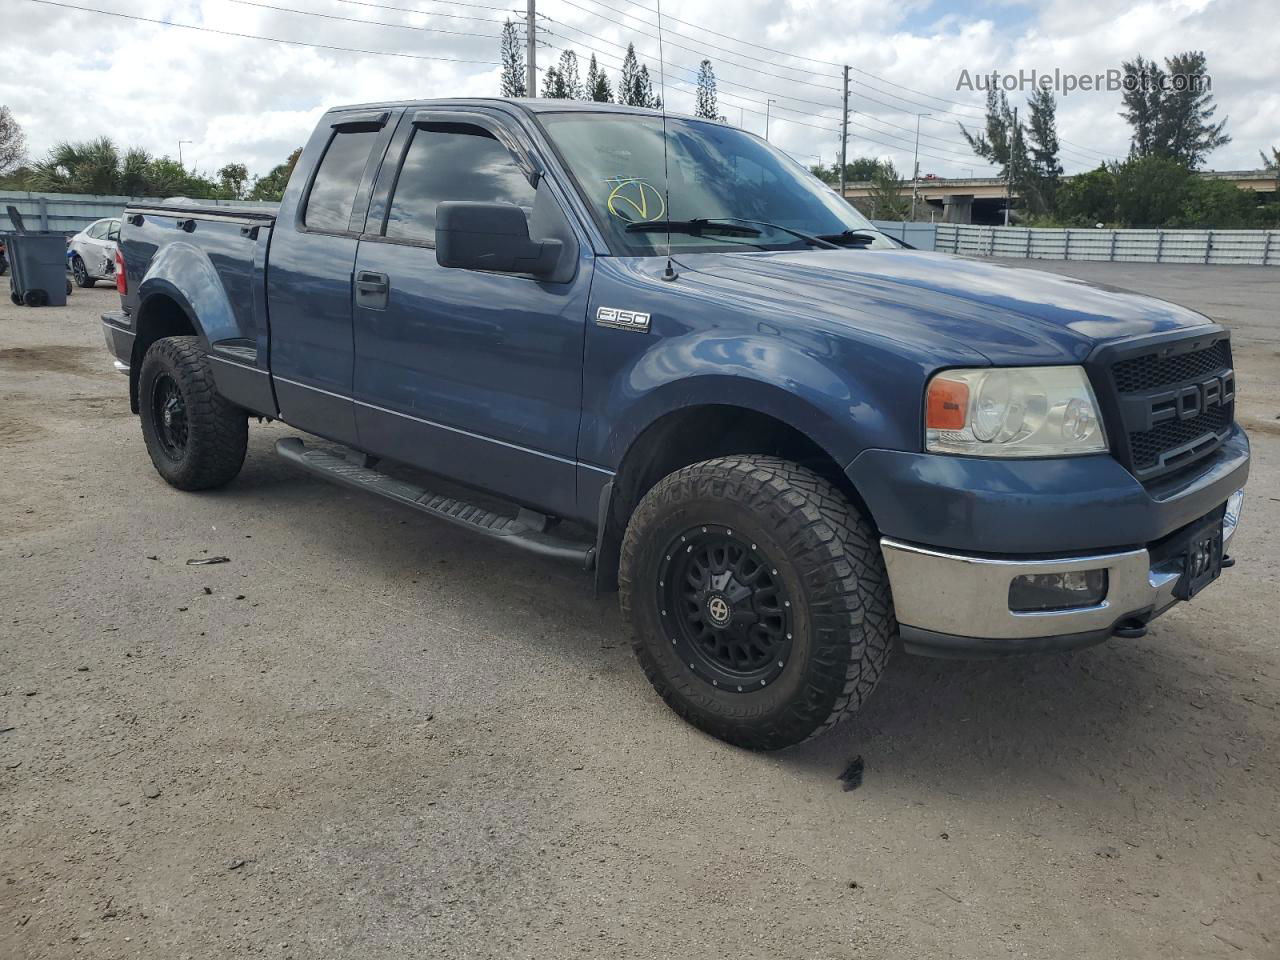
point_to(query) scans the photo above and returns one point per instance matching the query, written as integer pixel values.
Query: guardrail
(70, 213)
(1256, 247)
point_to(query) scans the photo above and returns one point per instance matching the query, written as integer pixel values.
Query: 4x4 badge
(623, 319)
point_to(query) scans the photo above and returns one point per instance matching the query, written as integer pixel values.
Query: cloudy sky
(69, 71)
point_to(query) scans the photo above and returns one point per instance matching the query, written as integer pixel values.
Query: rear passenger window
(452, 161)
(98, 230)
(333, 193)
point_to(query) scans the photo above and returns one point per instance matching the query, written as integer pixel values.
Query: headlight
(1013, 412)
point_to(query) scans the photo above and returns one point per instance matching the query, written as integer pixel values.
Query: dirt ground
(370, 735)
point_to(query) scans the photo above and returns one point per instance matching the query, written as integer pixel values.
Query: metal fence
(1257, 247)
(919, 235)
(70, 213)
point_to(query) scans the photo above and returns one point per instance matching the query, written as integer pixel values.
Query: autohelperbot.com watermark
(1066, 82)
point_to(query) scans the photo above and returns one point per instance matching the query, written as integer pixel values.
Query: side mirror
(491, 236)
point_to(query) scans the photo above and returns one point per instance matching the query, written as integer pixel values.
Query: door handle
(371, 290)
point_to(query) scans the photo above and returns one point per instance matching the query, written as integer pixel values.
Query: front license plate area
(1202, 562)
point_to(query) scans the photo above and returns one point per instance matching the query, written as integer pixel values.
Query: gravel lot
(370, 735)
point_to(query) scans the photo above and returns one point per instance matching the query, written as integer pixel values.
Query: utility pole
(768, 106)
(180, 143)
(915, 166)
(844, 132)
(1008, 171)
(531, 50)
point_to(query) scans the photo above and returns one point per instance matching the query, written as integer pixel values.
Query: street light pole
(180, 143)
(915, 166)
(768, 107)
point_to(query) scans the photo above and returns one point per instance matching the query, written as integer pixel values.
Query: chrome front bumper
(951, 604)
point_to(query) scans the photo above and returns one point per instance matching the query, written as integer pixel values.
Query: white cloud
(70, 75)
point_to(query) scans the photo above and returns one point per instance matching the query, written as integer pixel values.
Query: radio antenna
(670, 272)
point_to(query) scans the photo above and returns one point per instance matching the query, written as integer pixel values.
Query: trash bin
(37, 265)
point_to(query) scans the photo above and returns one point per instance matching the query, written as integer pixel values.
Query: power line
(256, 36)
(372, 23)
(681, 66)
(746, 66)
(432, 13)
(784, 53)
(716, 33)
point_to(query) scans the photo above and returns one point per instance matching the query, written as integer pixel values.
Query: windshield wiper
(809, 238)
(854, 238)
(697, 227)
(727, 226)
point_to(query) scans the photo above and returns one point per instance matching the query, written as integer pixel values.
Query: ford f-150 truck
(789, 442)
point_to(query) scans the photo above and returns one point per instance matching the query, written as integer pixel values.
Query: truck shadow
(1040, 721)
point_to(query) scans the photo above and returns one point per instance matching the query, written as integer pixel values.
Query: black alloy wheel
(169, 410)
(725, 608)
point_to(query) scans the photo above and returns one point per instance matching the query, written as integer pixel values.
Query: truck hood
(948, 306)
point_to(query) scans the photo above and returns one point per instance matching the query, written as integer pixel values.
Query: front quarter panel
(705, 347)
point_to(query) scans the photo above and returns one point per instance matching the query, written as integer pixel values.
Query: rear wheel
(81, 273)
(758, 599)
(196, 438)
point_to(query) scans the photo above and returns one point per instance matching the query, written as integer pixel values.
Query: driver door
(470, 374)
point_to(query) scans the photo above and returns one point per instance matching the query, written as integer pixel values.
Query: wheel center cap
(718, 610)
(168, 416)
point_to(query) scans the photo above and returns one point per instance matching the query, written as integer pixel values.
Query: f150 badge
(623, 319)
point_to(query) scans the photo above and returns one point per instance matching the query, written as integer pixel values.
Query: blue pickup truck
(658, 348)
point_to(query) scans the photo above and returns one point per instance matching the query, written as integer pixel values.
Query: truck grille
(1169, 401)
(1147, 372)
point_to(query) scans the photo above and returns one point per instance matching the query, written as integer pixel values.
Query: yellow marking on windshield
(636, 201)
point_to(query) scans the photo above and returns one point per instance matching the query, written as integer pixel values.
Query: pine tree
(568, 71)
(1004, 143)
(645, 97)
(706, 97)
(512, 57)
(1171, 109)
(1042, 136)
(597, 86)
(628, 85)
(1187, 130)
(553, 85)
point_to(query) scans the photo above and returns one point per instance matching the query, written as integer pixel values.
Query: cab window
(333, 192)
(452, 161)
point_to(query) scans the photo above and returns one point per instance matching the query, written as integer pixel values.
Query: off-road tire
(217, 430)
(827, 557)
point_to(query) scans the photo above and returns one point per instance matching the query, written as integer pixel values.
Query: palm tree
(89, 167)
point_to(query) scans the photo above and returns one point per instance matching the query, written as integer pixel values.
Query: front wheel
(758, 598)
(197, 439)
(81, 273)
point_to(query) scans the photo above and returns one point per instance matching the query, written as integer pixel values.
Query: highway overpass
(982, 199)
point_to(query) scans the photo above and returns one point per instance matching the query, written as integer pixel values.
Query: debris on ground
(205, 561)
(851, 779)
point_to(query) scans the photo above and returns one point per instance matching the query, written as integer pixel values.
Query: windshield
(716, 172)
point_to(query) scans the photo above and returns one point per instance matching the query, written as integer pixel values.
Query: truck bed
(220, 255)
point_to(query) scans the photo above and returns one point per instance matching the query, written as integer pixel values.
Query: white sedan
(93, 252)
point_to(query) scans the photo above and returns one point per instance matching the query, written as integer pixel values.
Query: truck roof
(528, 105)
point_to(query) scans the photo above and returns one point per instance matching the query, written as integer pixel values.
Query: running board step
(512, 530)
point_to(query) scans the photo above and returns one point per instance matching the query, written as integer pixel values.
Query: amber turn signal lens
(948, 404)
